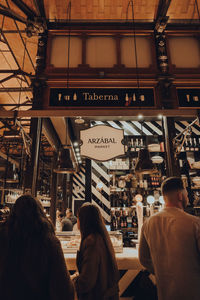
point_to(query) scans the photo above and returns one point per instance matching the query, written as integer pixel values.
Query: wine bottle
(191, 145)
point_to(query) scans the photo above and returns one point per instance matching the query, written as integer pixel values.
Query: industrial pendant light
(144, 164)
(64, 162)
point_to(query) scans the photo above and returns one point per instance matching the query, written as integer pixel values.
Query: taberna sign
(102, 142)
(189, 97)
(102, 97)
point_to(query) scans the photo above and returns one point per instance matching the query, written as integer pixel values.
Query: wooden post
(172, 164)
(53, 191)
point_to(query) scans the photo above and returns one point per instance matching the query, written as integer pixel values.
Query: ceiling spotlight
(76, 144)
(79, 120)
(140, 117)
(76, 150)
(160, 116)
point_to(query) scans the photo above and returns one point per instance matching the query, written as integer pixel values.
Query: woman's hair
(27, 218)
(27, 232)
(91, 222)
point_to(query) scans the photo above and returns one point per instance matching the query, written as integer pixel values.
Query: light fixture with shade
(144, 164)
(64, 162)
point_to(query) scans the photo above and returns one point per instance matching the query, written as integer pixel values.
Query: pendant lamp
(144, 164)
(64, 162)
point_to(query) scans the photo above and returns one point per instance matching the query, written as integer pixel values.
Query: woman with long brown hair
(98, 274)
(32, 264)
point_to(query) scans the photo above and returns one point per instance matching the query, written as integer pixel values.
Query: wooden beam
(87, 112)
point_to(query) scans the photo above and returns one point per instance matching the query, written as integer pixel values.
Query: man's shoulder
(172, 213)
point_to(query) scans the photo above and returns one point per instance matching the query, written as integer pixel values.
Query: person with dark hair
(98, 273)
(32, 264)
(170, 245)
(70, 216)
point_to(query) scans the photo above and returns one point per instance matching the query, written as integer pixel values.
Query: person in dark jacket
(32, 264)
(98, 273)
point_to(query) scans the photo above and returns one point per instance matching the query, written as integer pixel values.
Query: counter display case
(70, 241)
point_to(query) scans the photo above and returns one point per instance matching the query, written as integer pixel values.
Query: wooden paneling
(183, 9)
(101, 9)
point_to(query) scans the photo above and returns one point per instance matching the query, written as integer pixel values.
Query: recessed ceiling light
(160, 116)
(75, 144)
(140, 116)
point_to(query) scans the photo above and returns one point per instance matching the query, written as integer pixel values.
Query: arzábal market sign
(102, 142)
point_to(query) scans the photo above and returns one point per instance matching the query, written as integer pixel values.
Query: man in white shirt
(170, 246)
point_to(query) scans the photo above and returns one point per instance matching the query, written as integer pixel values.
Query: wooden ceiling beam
(7, 12)
(39, 5)
(25, 9)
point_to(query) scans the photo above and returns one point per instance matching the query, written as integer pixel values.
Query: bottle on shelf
(113, 221)
(125, 219)
(121, 220)
(196, 148)
(129, 220)
(134, 221)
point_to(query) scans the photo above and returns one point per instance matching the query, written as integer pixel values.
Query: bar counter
(128, 265)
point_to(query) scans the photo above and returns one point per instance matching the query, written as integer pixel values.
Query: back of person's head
(90, 220)
(27, 218)
(172, 184)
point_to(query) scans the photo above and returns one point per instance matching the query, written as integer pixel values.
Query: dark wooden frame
(117, 71)
(182, 72)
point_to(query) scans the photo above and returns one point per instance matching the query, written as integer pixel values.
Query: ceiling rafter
(25, 9)
(7, 12)
(16, 61)
(161, 15)
(39, 5)
(24, 44)
(15, 89)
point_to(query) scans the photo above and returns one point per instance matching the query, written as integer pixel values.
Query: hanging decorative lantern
(144, 164)
(64, 162)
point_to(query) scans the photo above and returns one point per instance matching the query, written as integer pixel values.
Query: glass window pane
(184, 52)
(144, 55)
(101, 52)
(59, 52)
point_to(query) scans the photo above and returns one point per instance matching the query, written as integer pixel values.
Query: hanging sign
(102, 142)
(116, 97)
(189, 97)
